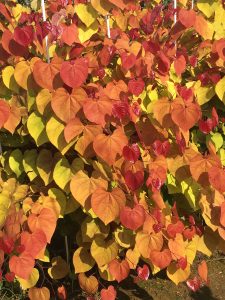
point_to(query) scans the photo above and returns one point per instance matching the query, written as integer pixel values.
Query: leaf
(62, 174)
(88, 284)
(103, 7)
(109, 293)
(222, 215)
(98, 110)
(134, 180)
(132, 257)
(203, 271)
(45, 221)
(22, 265)
(29, 163)
(47, 75)
(187, 17)
(59, 268)
(54, 130)
(66, 105)
(143, 272)
(82, 260)
(103, 251)
(136, 86)
(107, 205)
(4, 112)
(60, 198)
(31, 281)
(161, 259)
(86, 13)
(131, 153)
(36, 127)
(73, 129)
(16, 162)
(110, 148)
(9, 79)
(147, 242)
(74, 73)
(132, 218)
(44, 165)
(178, 275)
(5, 203)
(69, 34)
(42, 100)
(23, 73)
(24, 35)
(91, 228)
(14, 117)
(217, 178)
(42, 293)
(82, 186)
(85, 33)
(119, 269)
(185, 115)
(220, 89)
(33, 242)
(203, 28)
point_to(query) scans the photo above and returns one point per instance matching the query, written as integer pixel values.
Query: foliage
(115, 143)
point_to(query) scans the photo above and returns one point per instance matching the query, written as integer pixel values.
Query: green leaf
(16, 162)
(220, 89)
(29, 163)
(216, 139)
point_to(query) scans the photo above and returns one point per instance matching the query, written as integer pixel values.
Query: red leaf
(128, 61)
(120, 109)
(161, 148)
(173, 229)
(22, 265)
(10, 276)
(143, 272)
(61, 293)
(163, 63)
(70, 34)
(119, 270)
(131, 153)
(109, 293)
(194, 284)
(106, 54)
(182, 263)
(24, 35)
(74, 73)
(134, 180)
(132, 218)
(187, 17)
(136, 86)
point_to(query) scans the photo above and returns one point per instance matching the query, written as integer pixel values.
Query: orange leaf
(73, 129)
(66, 105)
(110, 147)
(161, 259)
(39, 293)
(45, 221)
(47, 75)
(33, 242)
(185, 114)
(222, 214)
(88, 284)
(70, 34)
(82, 186)
(97, 110)
(119, 270)
(109, 293)
(4, 112)
(187, 17)
(147, 242)
(203, 271)
(22, 265)
(107, 205)
(217, 178)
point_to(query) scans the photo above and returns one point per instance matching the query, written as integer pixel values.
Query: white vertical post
(175, 14)
(108, 26)
(46, 38)
(192, 4)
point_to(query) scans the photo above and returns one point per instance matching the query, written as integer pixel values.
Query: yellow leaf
(29, 163)
(23, 70)
(207, 7)
(105, 274)
(16, 162)
(220, 89)
(44, 165)
(9, 79)
(86, 13)
(93, 227)
(85, 33)
(88, 284)
(55, 133)
(62, 174)
(203, 93)
(124, 237)
(31, 281)
(5, 203)
(82, 260)
(103, 251)
(36, 128)
(42, 100)
(60, 197)
(132, 257)
(102, 6)
(59, 268)
(178, 275)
